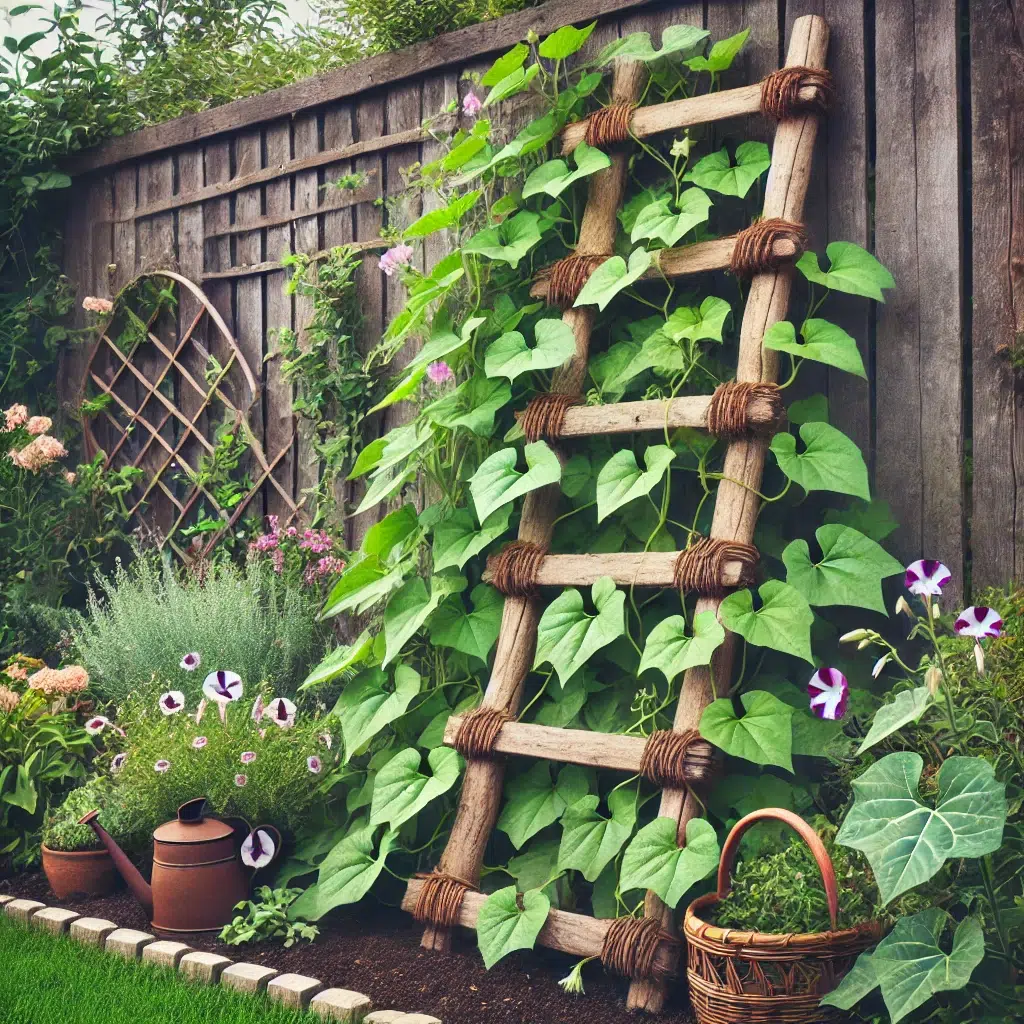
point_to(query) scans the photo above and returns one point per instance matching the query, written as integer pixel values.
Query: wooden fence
(919, 161)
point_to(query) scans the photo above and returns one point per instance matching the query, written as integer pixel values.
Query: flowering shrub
(300, 556)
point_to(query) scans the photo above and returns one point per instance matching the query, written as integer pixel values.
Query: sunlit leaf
(763, 735)
(671, 651)
(497, 481)
(653, 860)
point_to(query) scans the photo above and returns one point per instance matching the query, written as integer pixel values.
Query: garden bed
(379, 954)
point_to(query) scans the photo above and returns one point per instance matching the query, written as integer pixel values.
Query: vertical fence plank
(917, 219)
(190, 263)
(997, 181)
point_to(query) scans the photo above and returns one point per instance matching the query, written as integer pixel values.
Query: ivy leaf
(508, 921)
(637, 45)
(908, 707)
(346, 875)
(457, 539)
(911, 966)
(722, 54)
(365, 707)
(567, 636)
(506, 64)
(660, 222)
(497, 482)
(340, 660)
(611, 277)
(590, 841)
(783, 622)
(446, 217)
(830, 461)
(514, 82)
(904, 840)
(553, 177)
(509, 356)
(850, 571)
(716, 172)
(823, 342)
(621, 481)
(564, 42)
(474, 632)
(853, 270)
(533, 801)
(671, 651)
(472, 405)
(654, 861)
(763, 735)
(410, 608)
(707, 322)
(509, 241)
(401, 791)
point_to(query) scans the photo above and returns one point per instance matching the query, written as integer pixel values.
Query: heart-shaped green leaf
(410, 608)
(621, 481)
(509, 241)
(906, 841)
(696, 324)
(514, 82)
(401, 791)
(823, 342)
(654, 861)
(446, 217)
(555, 176)
(718, 173)
(509, 356)
(850, 571)
(908, 707)
(565, 41)
(660, 221)
(506, 64)
(457, 539)
(611, 277)
(783, 622)
(365, 707)
(722, 54)
(589, 840)
(637, 45)
(473, 633)
(497, 481)
(472, 405)
(508, 921)
(533, 801)
(830, 461)
(671, 651)
(763, 735)
(853, 270)
(362, 584)
(567, 636)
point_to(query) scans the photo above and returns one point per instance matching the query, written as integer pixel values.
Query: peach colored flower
(38, 425)
(93, 304)
(60, 681)
(38, 453)
(70, 477)
(8, 700)
(18, 672)
(15, 416)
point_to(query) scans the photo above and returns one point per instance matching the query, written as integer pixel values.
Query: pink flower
(118, 762)
(248, 756)
(471, 105)
(162, 766)
(15, 416)
(314, 764)
(258, 849)
(272, 522)
(38, 425)
(277, 558)
(199, 742)
(92, 304)
(978, 622)
(241, 780)
(38, 453)
(96, 725)
(926, 577)
(829, 691)
(172, 702)
(267, 542)
(395, 257)
(439, 373)
(282, 712)
(190, 662)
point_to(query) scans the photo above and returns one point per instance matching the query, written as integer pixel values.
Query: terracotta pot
(90, 872)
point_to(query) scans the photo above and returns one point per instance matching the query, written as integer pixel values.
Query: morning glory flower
(199, 742)
(248, 756)
(828, 690)
(314, 764)
(282, 711)
(190, 662)
(879, 665)
(161, 766)
(471, 105)
(118, 762)
(258, 849)
(926, 577)
(397, 256)
(96, 725)
(979, 622)
(222, 686)
(241, 780)
(172, 702)
(439, 372)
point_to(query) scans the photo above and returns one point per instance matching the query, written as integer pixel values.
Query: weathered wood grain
(190, 264)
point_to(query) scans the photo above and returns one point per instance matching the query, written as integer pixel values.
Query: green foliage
(654, 860)
(61, 830)
(267, 918)
(510, 920)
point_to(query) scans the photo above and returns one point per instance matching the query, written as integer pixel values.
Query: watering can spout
(129, 872)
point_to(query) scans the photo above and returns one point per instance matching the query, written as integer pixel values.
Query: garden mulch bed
(377, 951)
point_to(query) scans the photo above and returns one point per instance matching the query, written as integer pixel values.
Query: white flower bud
(863, 644)
(902, 606)
(935, 609)
(880, 664)
(932, 679)
(854, 634)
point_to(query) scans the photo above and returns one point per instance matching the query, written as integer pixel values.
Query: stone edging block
(204, 968)
(382, 1017)
(92, 931)
(293, 990)
(165, 953)
(22, 910)
(250, 978)
(341, 1005)
(128, 942)
(54, 920)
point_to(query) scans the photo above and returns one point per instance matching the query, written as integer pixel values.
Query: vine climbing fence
(919, 161)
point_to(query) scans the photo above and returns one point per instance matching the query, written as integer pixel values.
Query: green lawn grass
(46, 980)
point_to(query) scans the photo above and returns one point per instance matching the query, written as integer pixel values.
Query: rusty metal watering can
(198, 873)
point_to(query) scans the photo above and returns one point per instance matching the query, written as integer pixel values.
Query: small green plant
(267, 918)
(119, 812)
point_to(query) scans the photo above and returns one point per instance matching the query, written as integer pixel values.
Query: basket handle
(803, 830)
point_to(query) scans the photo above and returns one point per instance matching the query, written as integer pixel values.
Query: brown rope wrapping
(440, 899)
(567, 277)
(780, 92)
(544, 417)
(677, 760)
(479, 732)
(630, 946)
(700, 567)
(754, 251)
(729, 411)
(609, 125)
(513, 571)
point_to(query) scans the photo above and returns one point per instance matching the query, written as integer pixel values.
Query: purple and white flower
(829, 691)
(161, 766)
(314, 764)
(199, 742)
(118, 762)
(282, 712)
(979, 622)
(96, 725)
(258, 849)
(926, 577)
(471, 105)
(397, 256)
(223, 686)
(439, 373)
(172, 702)
(191, 661)
(241, 780)
(248, 756)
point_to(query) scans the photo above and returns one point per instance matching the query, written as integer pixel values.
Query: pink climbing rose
(395, 257)
(471, 105)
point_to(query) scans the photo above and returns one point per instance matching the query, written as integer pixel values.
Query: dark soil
(376, 950)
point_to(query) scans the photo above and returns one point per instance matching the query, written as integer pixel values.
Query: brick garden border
(292, 991)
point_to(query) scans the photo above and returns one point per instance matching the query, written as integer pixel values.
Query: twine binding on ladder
(440, 899)
(609, 125)
(780, 92)
(699, 569)
(754, 251)
(513, 571)
(678, 760)
(567, 277)
(479, 732)
(631, 945)
(729, 412)
(544, 417)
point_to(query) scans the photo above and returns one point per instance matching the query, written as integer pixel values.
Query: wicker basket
(757, 978)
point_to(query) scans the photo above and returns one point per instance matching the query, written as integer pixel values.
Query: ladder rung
(626, 417)
(572, 746)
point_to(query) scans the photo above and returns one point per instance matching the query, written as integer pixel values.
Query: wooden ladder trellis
(746, 412)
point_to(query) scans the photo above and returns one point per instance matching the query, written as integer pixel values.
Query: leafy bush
(143, 620)
(118, 814)
(267, 918)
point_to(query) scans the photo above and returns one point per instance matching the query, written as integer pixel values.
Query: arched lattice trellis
(172, 395)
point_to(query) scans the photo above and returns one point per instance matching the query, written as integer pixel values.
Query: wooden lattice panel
(169, 394)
